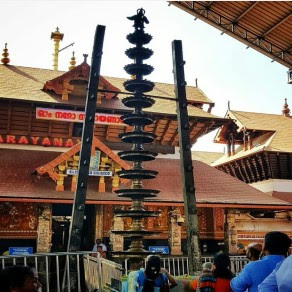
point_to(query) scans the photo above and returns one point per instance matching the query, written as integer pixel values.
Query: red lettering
(10, 139)
(46, 142)
(58, 142)
(1, 139)
(34, 140)
(40, 113)
(81, 117)
(22, 140)
(102, 119)
(69, 143)
(111, 120)
(58, 115)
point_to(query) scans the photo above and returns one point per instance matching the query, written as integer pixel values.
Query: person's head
(152, 271)
(207, 267)
(221, 266)
(253, 251)
(98, 241)
(276, 243)
(19, 279)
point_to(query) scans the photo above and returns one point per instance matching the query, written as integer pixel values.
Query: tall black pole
(188, 185)
(74, 242)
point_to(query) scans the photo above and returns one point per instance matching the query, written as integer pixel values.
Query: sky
(225, 69)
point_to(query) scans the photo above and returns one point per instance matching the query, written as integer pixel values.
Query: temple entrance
(61, 224)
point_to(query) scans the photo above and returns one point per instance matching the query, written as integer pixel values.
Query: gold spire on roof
(5, 60)
(57, 37)
(286, 110)
(72, 62)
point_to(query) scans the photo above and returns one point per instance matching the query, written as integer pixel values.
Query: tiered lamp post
(138, 120)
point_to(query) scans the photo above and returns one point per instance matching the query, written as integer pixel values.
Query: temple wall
(276, 185)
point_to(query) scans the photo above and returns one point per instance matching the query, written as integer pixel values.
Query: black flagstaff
(74, 243)
(187, 177)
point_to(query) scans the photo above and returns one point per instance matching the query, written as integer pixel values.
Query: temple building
(41, 115)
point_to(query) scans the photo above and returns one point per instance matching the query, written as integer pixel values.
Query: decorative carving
(18, 220)
(218, 223)
(44, 239)
(232, 233)
(99, 221)
(175, 232)
(117, 240)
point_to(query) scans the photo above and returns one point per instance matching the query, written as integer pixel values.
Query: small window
(77, 129)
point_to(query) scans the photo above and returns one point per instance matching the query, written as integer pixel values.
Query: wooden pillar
(175, 232)
(230, 232)
(117, 240)
(99, 222)
(44, 230)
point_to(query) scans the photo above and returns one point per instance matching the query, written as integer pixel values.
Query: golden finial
(286, 110)
(72, 62)
(5, 60)
(56, 37)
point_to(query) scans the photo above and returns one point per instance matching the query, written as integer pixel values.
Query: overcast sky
(225, 69)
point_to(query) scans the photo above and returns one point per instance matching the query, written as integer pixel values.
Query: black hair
(254, 252)
(14, 277)
(152, 271)
(277, 243)
(222, 266)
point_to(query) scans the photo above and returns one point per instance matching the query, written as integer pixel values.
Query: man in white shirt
(99, 243)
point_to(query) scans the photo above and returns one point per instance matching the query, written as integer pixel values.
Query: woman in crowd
(154, 278)
(19, 279)
(219, 278)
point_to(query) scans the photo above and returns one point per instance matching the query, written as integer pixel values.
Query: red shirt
(221, 285)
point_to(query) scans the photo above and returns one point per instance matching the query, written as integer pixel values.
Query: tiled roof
(284, 196)
(275, 133)
(282, 140)
(26, 83)
(259, 144)
(206, 157)
(18, 180)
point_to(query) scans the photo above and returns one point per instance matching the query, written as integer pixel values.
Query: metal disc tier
(137, 119)
(137, 193)
(137, 137)
(139, 53)
(135, 85)
(134, 233)
(137, 174)
(141, 102)
(135, 69)
(137, 155)
(137, 214)
(133, 254)
(139, 37)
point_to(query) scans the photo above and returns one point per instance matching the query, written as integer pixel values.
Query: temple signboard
(91, 172)
(76, 116)
(41, 141)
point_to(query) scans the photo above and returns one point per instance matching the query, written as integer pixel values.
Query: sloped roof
(266, 26)
(26, 83)
(18, 182)
(284, 196)
(280, 124)
(274, 133)
(206, 157)
(259, 144)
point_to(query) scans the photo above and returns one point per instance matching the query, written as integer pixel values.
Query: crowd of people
(269, 270)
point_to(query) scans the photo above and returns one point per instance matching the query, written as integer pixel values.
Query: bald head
(254, 250)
